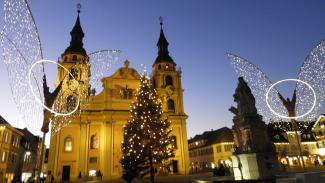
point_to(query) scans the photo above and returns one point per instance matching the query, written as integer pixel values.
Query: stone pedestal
(254, 166)
(254, 157)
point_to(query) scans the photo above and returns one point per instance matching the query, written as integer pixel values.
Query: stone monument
(254, 154)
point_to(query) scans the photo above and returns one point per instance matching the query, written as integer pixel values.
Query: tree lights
(146, 136)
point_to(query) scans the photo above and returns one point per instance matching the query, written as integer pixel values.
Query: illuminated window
(171, 105)
(94, 142)
(3, 156)
(169, 80)
(228, 147)
(6, 136)
(68, 144)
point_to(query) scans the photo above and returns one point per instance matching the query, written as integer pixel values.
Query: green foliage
(145, 133)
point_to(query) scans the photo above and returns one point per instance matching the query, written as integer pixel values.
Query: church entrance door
(65, 173)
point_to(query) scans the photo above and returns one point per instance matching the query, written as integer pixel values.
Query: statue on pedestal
(254, 153)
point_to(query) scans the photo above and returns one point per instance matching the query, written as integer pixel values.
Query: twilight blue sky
(275, 35)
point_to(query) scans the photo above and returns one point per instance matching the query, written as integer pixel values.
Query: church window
(169, 80)
(73, 74)
(93, 160)
(126, 93)
(74, 58)
(71, 103)
(65, 59)
(94, 142)
(68, 144)
(171, 105)
(159, 67)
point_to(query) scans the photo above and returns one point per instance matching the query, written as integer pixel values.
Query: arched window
(73, 74)
(94, 142)
(169, 80)
(159, 67)
(171, 105)
(71, 103)
(74, 58)
(68, 144)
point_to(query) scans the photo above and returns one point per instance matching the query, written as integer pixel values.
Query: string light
(22, 48)
(312, 72)
(153, 134)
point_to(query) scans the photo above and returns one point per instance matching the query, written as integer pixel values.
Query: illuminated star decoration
(21, 48)
(312, 71)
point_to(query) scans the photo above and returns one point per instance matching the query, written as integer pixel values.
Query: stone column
(82, 150)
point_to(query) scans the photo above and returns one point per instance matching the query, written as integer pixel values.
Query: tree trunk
(152, 170)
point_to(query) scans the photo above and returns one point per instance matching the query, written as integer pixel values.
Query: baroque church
(92, 141)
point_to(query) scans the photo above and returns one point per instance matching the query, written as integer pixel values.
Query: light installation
(289, 117)
(23, 57)
(312, 72)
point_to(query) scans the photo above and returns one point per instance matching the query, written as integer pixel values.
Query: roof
(163, 53)
(126, 72)
(215, 136)
(7, 124)
(77, 34)
(3, 121)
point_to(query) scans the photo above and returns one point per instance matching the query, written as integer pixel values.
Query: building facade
(214, 147)
(92, 141)
(290, 149)
(211, 149)
(319, 133)
(9, 150)
(29, 155)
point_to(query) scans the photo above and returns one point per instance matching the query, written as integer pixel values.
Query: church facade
(92, 141)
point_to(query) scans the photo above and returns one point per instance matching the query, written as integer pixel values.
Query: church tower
(64, 157)
(76, 61)
(167, 82)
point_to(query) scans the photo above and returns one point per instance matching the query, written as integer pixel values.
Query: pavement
(204, 177)
(164, 179)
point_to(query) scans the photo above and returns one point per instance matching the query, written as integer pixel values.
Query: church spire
(162, 44)
(76, 44)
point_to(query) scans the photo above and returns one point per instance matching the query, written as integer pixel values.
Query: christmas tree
(146, 136)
